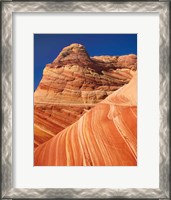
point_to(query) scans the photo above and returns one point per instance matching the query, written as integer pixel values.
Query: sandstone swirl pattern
(72, 84)
(105, 136)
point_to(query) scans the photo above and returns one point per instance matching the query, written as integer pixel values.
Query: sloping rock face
(72, 84)
(105, 136)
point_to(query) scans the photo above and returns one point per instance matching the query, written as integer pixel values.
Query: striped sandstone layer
(72, 84)
(105, 136)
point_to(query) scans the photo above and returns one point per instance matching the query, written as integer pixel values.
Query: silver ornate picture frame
(7, 92)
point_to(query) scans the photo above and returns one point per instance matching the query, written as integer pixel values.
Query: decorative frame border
(7, 8)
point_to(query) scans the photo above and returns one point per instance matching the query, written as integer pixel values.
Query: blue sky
(48, 46)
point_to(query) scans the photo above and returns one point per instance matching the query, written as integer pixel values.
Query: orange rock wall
(74, 83)
(104, 136)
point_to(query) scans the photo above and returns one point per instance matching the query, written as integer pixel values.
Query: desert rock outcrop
(74, 83)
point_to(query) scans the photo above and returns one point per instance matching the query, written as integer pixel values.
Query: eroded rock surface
(72, 84)
(104, 136)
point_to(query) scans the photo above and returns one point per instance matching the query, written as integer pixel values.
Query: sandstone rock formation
(105, 136)
(72, 84)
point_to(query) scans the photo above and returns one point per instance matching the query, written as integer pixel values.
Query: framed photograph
(85, 99)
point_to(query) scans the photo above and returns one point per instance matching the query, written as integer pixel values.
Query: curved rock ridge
(105, 136)
(72, 84)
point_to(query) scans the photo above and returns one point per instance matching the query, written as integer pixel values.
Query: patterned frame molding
(7, 8)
